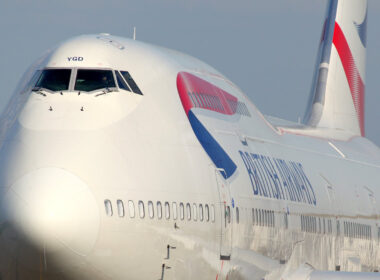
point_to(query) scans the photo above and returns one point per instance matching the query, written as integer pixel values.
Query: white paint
(58, 167)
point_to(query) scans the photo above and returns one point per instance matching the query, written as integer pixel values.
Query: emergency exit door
(225, 215)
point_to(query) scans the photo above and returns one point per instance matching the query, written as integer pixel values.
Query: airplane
(123, 160)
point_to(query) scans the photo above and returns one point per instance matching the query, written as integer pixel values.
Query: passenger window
(345, 228)
(201, 212)
(167, 210)
(312, 225)
(131, 82)
(121, 82)
(120, 208)
(207, 213)
(141, 209)
(108, 206)
(228, 214)
(131, 207)
(188, 211)
(237, 215)
(194, 212)
(260, 218)
(181, 211)
(265, 217)
(212, 213)
(174, 204)
(150, 209)
(159, 210)
(286, 220)
(92, 79)
(270, 218)
(263, 220)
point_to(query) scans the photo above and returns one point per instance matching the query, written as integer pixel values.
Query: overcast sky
(267, 48)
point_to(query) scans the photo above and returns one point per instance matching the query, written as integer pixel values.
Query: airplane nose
(54, 210)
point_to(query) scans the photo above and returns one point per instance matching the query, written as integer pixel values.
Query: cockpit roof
(107, 51)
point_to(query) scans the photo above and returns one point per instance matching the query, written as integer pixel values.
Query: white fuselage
(93, 184)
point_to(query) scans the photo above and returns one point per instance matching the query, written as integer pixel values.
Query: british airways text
(278, 178)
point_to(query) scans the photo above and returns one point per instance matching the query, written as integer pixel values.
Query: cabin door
(224, 208)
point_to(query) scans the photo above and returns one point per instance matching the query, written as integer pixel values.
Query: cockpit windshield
(82, 80)
(54, 79)
(90, 80)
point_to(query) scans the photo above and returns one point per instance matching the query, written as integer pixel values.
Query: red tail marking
(355, 82)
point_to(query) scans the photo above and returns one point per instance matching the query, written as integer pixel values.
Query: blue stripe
(219, 157)
(362, 30)
(329, 31)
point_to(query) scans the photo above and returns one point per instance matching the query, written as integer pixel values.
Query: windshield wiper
(41, 90)
(105, 91)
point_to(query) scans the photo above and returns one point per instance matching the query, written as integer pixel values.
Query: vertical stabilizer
(337, 94)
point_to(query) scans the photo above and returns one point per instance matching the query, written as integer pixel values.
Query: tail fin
(337, 94)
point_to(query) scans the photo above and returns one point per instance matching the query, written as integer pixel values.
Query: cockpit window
(89, 80)
(54, 79)
(131, 82)
(121, 82)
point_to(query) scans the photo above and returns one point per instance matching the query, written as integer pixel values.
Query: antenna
(134, 33)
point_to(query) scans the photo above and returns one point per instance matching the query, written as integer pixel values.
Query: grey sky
(267, 48)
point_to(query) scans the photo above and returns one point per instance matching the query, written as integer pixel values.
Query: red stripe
(355, 82)
(190, 84)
